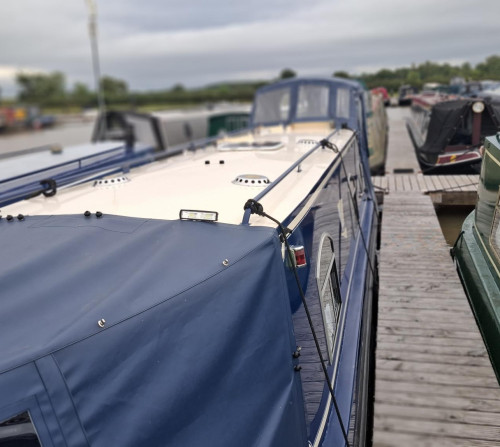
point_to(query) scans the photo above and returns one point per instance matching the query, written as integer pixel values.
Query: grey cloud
(154, 44)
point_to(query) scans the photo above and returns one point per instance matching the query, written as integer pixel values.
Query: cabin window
(19, 431)
(313, 101)
(272, 106)
(343, 103)
(329, 291)
(495, 229)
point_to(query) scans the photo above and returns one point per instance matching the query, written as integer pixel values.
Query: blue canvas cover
(192, 352)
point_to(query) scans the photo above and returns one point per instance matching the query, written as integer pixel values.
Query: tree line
(418, 75)
(50, 90)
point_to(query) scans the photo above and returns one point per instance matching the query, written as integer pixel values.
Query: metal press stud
(225, 263)
(101, 322)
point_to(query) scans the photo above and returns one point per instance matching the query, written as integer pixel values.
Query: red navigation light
(300, 255)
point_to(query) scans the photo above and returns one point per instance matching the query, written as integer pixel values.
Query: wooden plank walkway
(443, 189)
(434, 383)
(426, 183)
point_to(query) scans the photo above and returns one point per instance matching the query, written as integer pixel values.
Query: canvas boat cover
(446, 118)
(192, 352)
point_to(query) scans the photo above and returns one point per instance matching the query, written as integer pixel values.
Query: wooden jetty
(434, 384)
(442, 189)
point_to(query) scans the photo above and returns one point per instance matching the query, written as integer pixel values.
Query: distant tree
(413, 78)
(113, 87)
(81, 95)
(287, 73)
(490, 69)
(41, 88)
(341, 74)
(178, 88)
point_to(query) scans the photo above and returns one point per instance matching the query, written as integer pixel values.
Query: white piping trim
(321, 428)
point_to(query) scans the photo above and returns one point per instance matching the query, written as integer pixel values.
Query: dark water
(451, 219)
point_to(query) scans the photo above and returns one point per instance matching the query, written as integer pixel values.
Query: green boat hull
(477, 252)
(480, 282)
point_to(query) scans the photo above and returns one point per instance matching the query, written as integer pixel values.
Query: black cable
(326, 143)
(256, 208)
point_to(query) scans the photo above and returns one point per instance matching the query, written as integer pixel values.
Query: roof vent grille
(111, 182)
(251, 180)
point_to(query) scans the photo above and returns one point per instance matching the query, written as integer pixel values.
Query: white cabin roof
(199, 181)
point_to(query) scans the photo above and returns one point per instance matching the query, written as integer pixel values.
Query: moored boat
(477, 252)
(378, 132)
(165, 308)
(447, 133)
(405, 94)
(170, 128)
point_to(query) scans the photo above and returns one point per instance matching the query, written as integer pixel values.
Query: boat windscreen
(313, 101)
(272, 106)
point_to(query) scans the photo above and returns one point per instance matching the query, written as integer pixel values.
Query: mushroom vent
(111, 182)
(251, 180)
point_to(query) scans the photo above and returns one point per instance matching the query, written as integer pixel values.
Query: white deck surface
(160, 190)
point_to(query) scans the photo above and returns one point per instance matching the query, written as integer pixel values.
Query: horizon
(157, 44)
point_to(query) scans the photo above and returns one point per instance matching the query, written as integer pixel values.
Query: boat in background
(477, 252)
(121, 140)
(170, 128)
(378, 132)
(166, 308)
(385, 95)
(447, 133)
(420, 113)
(405, 94)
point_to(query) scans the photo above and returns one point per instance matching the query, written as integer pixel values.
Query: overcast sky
(154, 44)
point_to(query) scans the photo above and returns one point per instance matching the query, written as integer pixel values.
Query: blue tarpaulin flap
(193, 353)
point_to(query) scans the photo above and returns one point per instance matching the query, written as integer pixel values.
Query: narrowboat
(378, 132)
(219, 297)
(405, 94)
(447, 133)
(477, 252)
(172, 127)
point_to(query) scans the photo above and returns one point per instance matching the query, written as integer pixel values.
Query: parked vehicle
(165, 308)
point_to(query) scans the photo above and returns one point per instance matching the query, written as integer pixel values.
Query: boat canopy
(127, 331)
(448, 123)
(307, 99)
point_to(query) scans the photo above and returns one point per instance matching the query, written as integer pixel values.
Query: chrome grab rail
(246, 215)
